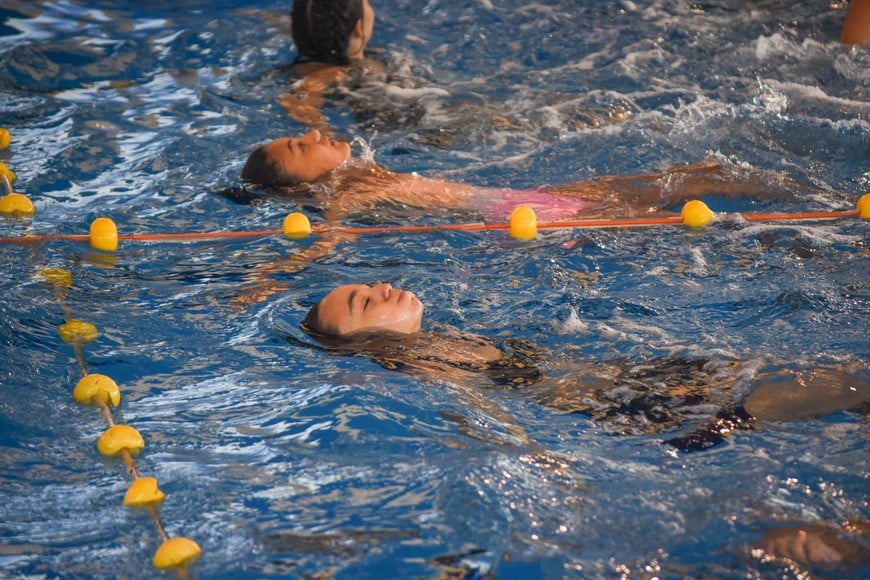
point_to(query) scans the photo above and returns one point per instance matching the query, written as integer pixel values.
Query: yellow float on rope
(57, 276)
(523, 223)
(7, 173)
(77, 331)
(5, 138)
(119, 437)
(143, 492)
(176, 552)
(296, 225)
(104, 234)
(16, 203)
(696, 214)
(99, 386)
(864, 207)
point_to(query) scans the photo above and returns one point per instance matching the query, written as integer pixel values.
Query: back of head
(262, 169)
(322, 28)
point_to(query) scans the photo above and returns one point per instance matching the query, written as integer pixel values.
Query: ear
(358, 30)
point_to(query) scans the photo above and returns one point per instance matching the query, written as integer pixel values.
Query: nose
(312, 136)
(386, 290)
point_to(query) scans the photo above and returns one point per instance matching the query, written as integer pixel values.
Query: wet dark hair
(414, 353)
(322, 29)
(378, 345)
(262, 169)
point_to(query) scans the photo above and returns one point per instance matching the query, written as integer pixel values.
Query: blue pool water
(281, 460)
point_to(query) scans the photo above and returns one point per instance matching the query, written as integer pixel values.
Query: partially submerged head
(290, 160)
(356, 309)
(332, 31)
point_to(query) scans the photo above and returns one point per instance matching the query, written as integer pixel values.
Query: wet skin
(307, 157)
(357, 308)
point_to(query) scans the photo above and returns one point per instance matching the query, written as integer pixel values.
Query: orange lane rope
(523, 222)
(470, 227)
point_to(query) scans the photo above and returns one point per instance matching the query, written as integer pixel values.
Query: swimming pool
(282, 461)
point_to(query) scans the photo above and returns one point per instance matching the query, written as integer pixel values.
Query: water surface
(280, 460)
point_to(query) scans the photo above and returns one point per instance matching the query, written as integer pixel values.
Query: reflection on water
(281, 459)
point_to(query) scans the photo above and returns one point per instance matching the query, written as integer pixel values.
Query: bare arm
(371, 186)
(652, 192)
(818, 543)
(796, 395)
(304, 101)
(856, 26)
(262, 286)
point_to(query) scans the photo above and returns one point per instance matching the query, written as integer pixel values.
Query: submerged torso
(497, 204)
(362, 186)
(628, 399)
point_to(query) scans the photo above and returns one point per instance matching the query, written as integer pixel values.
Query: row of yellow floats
(102, 391)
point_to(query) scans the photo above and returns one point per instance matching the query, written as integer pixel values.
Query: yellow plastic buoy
(176, 552)
(118, 437)
(143, 492)
(16, 203)
(97, 385)
(5, 138)
(864, 207)
(104, 234)
(57, 276)
(297, 225)
(78, 331)
(523, 223)
(696, 214)
(10, 175)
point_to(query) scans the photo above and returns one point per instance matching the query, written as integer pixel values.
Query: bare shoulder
(318, 72)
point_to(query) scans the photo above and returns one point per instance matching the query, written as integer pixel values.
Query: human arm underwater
(305, 100)
(856, 25)
(817, 543)
(662, 396)
(260, 284)
(783, 395)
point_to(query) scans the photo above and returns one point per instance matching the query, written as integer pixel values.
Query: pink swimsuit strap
(497, 204)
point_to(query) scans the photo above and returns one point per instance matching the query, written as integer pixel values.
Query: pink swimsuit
(497, 204)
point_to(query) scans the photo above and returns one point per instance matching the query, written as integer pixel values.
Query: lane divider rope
(522, 225)
(117, 440)
(124, 441)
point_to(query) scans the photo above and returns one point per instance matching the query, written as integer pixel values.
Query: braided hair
(322, 29)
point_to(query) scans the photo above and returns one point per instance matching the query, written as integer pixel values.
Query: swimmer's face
(357, 308)
(307, 157)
